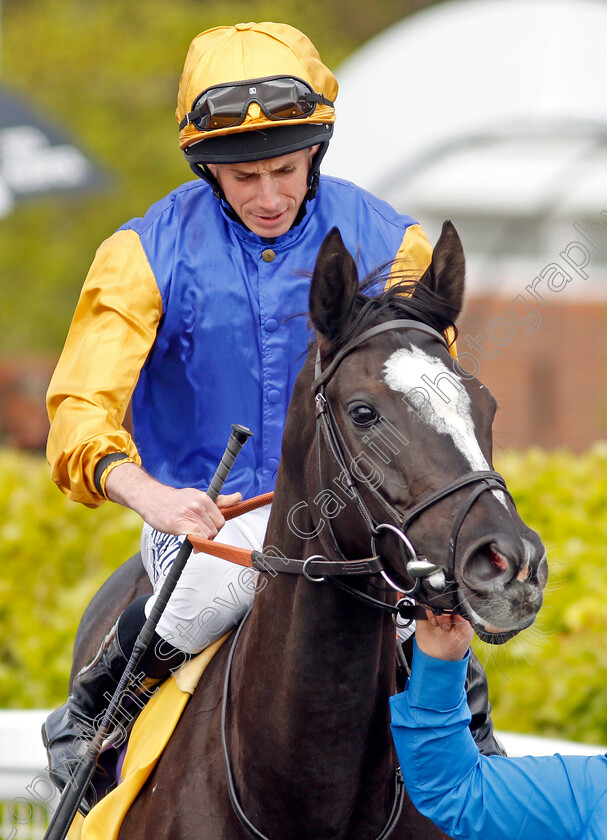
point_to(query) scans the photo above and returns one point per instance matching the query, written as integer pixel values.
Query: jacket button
(271, 325)
(273, 396)
(268, 255)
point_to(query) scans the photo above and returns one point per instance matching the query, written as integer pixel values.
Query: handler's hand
(445, 636)
(167, 509)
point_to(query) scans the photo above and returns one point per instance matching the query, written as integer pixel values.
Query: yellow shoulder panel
(413, 257)
(411, 261)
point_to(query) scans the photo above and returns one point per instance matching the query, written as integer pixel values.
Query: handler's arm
(494, 798)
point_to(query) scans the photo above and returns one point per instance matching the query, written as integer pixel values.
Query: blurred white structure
(27, 797)
(22, 756)
(534, 745)
(26, 792)
(491, 113)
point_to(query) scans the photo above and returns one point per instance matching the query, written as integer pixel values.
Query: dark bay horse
(386, 463)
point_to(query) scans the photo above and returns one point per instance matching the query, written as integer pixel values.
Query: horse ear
(334, 287)
(446, 275)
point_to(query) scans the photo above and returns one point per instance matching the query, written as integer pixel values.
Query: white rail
(26, 792)
(27, 795)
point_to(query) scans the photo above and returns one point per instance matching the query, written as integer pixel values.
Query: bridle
(319, 568)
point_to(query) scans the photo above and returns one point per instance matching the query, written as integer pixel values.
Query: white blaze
(449, 414)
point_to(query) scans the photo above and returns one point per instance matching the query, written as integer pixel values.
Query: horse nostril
(493, 561)
(497, 558)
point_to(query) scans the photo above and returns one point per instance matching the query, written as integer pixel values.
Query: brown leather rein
(312, 568)
(240, 556)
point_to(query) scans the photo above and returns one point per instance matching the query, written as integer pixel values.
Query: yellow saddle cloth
(149, 736)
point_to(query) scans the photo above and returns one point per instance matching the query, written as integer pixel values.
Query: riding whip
(74, 791)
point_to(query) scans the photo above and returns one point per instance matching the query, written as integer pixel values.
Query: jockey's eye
(363, 415)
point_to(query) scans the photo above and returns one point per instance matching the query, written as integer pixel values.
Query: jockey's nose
(268, 194)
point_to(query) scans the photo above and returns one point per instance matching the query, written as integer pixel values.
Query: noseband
(417, 567)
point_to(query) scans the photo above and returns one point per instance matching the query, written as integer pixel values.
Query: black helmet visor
(246, 146)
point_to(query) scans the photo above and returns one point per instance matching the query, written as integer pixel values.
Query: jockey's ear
(334, 288)
(446, 275)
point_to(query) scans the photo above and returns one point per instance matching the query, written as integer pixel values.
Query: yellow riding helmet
(226, 56)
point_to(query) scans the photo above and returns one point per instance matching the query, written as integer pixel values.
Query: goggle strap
(320, 99)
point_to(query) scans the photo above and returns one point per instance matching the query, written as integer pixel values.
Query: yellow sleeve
(411, 261)
(111, 334)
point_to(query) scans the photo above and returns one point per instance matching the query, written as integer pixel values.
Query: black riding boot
(477, 693)
(68, 731)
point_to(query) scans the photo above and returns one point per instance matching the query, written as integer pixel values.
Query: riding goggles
(279, 97)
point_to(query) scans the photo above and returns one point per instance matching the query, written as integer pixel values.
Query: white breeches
(212, 595)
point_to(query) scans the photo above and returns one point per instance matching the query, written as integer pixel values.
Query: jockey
(195, 315)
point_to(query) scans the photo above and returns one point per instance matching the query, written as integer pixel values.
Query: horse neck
(310, 690)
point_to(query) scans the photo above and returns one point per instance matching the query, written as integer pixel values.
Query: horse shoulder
(166, 807)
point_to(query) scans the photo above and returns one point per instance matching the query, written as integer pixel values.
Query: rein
(399, 787)
(316, 568)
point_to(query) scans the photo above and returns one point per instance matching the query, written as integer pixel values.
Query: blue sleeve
(490, 797)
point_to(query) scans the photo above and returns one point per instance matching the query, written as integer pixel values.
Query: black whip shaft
(74, 791)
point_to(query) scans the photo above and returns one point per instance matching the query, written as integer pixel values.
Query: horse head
(404, 466)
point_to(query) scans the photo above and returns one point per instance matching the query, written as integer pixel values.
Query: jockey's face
(266, 194)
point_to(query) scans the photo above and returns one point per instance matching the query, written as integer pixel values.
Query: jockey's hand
(167, 509)
(445, 636)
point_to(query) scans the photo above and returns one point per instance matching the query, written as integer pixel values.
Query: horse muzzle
(500, 582)
(497, 583)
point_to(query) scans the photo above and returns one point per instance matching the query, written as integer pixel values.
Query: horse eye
(363, 415)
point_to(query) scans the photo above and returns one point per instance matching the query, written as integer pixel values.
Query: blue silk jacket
(201, 323)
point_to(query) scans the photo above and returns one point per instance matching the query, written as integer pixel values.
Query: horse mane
(406, 297)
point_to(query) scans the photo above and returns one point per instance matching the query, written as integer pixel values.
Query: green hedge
(551, 679)
(54, 555)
